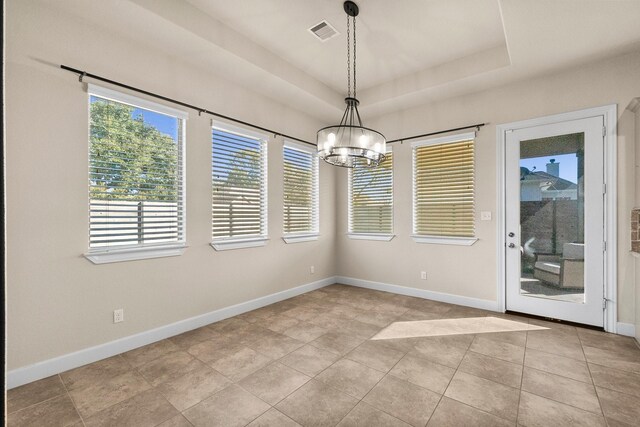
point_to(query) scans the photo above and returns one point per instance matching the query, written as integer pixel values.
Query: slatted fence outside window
(239, 178)
(371, 198)
(300, 190)
(136, 173)
(443, 187)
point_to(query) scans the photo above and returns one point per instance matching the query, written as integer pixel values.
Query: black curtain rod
(200, 110)
(81, 74)
(477, 126)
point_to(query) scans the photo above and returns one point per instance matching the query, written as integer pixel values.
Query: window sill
(134, 254)
(229, 244)
(440, 240)
(298, 238)
(371, 236)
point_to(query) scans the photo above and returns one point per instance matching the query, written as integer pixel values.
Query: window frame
(312, 235)
(385, 237)
(441, 240)
(149, 250)
(230, 243)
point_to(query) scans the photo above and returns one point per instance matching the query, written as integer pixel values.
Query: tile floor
(310, 361)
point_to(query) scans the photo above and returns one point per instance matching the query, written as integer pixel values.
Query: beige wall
(471, 271)
(59, 302)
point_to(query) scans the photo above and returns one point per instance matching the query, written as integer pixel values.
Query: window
(443, 190)
(371, 201)
(300, 193)
(239, 178)
(136, 178)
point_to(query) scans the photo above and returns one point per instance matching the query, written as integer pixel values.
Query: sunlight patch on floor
(439, 327)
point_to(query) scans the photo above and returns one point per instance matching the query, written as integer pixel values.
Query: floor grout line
(374, 386)
(451, 379)
(152, 387)
(562, 403)
(340, 357)
(524, 357)
(42, 401)
(595, 389)
(71, 399)
(273, 361)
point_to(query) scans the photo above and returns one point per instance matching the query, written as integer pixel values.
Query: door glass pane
(552, 217)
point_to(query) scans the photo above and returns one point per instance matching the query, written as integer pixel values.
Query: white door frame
(609, 113)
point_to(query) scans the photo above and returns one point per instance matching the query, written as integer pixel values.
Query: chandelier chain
(354, 58)
(348, 58)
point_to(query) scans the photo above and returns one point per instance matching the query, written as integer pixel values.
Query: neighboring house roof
(539, 176)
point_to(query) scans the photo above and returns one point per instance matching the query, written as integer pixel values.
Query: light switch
(485, 215)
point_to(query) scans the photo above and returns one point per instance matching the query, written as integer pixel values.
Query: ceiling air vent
(323, 31)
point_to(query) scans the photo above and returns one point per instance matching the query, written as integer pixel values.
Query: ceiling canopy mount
(351, 9)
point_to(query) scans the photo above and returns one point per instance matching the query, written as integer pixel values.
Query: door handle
(512, 234)
(512, 245)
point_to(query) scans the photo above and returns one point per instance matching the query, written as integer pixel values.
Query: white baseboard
(421, 293)
(626, 329)
(63, 363)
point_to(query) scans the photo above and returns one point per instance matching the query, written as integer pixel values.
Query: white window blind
(443, 187)
(371, 198)
(239, 177)
(136, 172)
(300, 190)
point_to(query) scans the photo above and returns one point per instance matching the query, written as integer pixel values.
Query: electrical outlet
(312, 269)
(118, 315)
(485, 216)
(423, 275)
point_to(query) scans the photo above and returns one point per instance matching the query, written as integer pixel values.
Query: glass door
(555, 221)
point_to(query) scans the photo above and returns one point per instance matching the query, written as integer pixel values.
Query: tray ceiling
(409, 52)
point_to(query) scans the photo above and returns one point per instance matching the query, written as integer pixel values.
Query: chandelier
(350, 144)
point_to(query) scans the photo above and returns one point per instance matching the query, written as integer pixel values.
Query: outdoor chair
(566, 271)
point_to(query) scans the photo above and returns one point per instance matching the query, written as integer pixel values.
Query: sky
(165, 124)
(568, 165)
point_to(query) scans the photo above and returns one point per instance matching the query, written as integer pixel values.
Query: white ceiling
(409, 51)
(393, 41)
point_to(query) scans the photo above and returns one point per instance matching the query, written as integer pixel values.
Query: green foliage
(243, 174)
(130, 160)
(298, 197)
(245, 170)
(362, 196)
(237, 180)
(298, 183)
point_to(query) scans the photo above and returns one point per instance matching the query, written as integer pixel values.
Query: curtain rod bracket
(81, 76)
